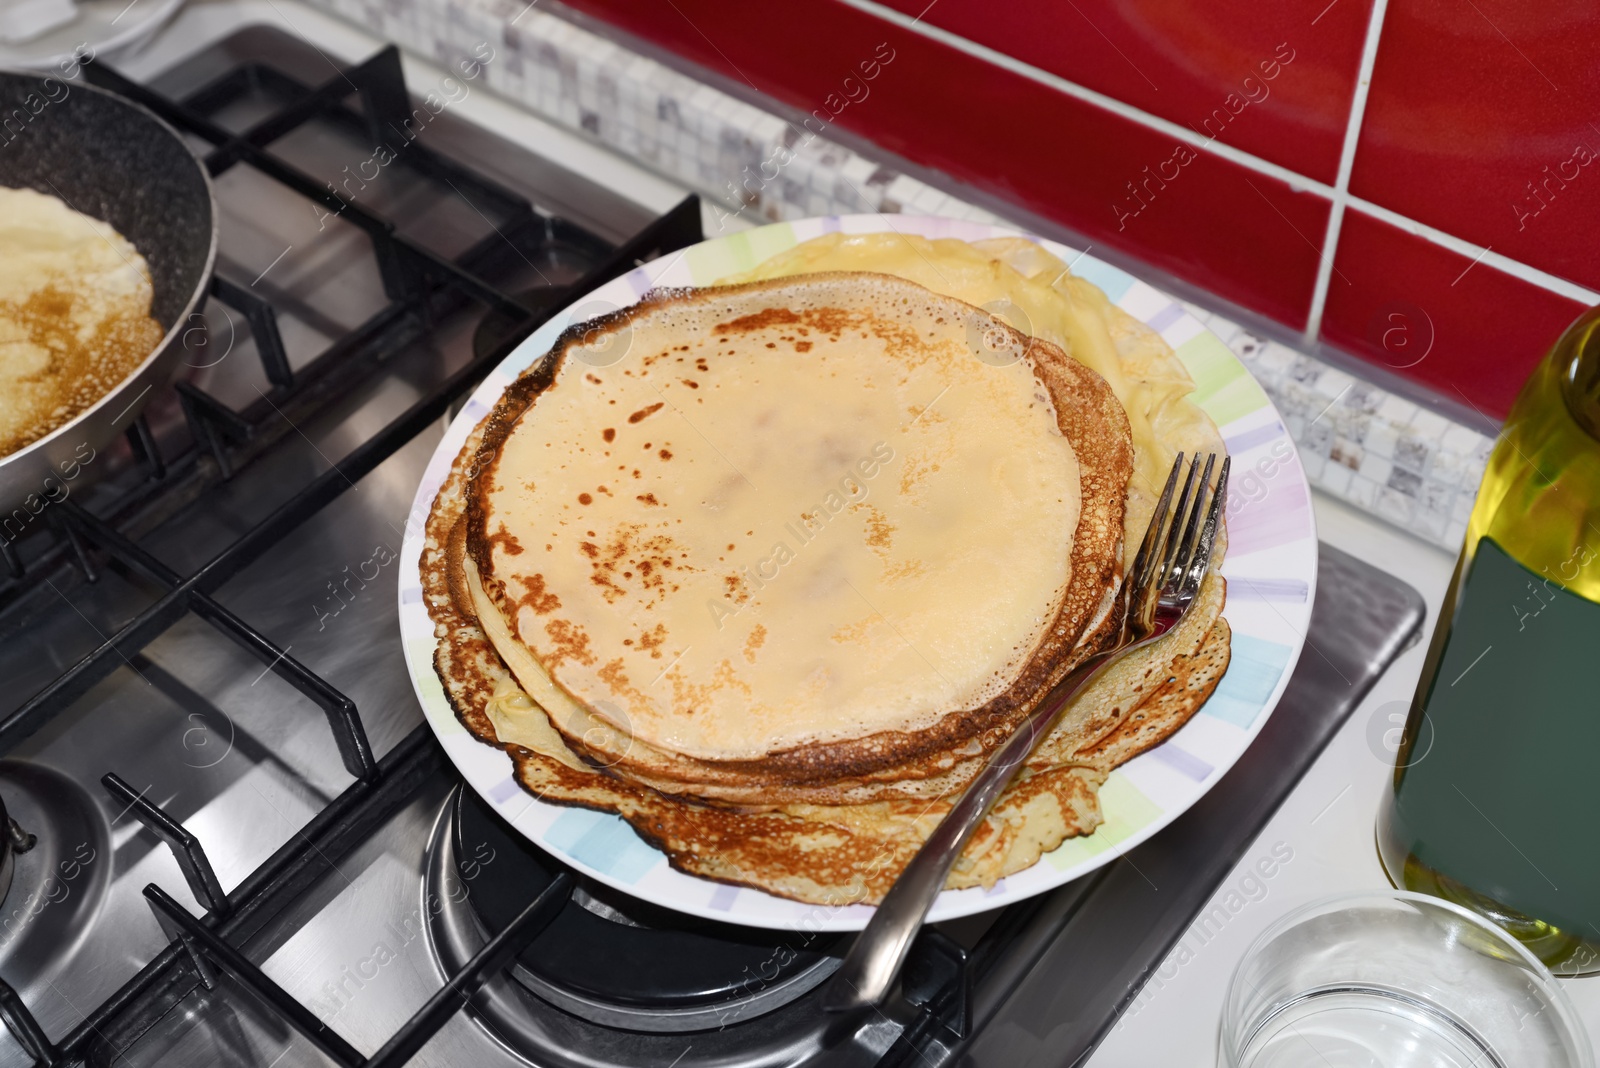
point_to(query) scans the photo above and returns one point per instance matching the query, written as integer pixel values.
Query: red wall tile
(1181, 59)
(1468, 331)
(1244, 237)
(1471, 101)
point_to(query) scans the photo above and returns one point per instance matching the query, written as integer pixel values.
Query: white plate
(1271, 568)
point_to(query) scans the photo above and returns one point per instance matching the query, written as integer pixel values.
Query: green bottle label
(1505, 798)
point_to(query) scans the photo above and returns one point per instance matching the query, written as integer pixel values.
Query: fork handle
(870, 968)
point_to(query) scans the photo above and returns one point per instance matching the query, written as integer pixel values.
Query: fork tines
(1176, 551)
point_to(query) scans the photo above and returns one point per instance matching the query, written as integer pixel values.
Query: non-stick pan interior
(115, 161)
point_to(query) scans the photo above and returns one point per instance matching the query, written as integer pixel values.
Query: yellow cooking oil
(1493, 799)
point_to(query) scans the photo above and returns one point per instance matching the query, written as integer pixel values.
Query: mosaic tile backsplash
(1377, 451)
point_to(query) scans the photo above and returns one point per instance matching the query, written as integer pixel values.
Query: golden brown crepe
(822, 821)
(74, 314)
(956, 553)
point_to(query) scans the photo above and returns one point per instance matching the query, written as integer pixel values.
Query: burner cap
(57, 886)
(651, 968)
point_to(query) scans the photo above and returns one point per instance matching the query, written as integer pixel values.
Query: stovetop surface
(227, 746)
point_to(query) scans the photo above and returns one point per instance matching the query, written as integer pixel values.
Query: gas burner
(612, 961)
(14, 840)
(55, 886)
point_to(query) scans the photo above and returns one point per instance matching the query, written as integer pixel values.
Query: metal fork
(1164, 581)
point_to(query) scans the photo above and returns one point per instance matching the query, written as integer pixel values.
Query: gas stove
(229, 834)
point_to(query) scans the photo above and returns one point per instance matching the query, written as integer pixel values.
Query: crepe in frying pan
(74, 314)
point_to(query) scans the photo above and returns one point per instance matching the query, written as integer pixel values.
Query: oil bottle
(1496, 789)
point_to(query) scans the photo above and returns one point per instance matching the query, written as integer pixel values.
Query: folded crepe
(773, 583)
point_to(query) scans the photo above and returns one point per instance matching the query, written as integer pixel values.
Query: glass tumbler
(1395, 980)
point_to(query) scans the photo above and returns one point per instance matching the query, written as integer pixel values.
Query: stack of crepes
(770, 568)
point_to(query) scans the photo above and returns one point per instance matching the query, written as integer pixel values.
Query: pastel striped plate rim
(1271, 569)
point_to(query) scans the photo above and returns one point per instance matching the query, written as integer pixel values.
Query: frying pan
(111, 159)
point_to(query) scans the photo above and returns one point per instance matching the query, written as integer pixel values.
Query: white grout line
(1341, 181)
(1294, 179)
(1299, 182)
(1515, 268)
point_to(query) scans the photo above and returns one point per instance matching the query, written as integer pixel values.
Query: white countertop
(1327, 822)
